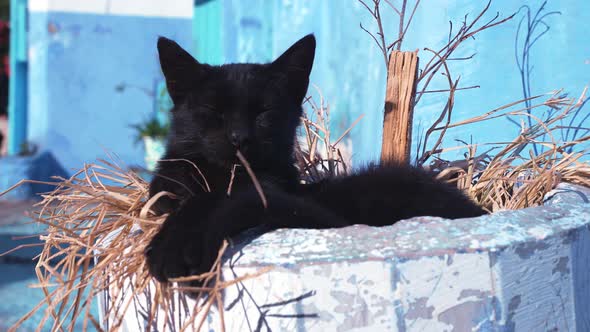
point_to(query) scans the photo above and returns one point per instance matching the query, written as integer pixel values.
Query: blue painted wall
(92, 76)
(17, 95)
(350, 70)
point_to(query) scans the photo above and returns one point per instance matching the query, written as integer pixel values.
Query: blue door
(207, 36)
(17, 94)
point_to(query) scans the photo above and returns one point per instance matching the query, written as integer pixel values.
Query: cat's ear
(296, 64)
(180, 69)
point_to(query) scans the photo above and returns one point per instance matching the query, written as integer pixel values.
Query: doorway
(13, 76)
(4, 73)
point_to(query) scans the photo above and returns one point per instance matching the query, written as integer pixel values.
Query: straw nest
(99, 220)
(515, 177)
(95, 239)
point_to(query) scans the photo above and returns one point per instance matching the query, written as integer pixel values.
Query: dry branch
(316, 154)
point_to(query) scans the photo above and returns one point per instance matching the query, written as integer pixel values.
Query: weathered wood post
(402, 76)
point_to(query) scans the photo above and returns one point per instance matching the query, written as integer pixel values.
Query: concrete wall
(93, 71)
(82, 52)
(523, 270)
(350, 69)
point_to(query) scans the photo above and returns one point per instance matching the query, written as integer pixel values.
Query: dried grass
(516, 178)
(98, 225)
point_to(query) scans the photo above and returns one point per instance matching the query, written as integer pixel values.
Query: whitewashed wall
(523, 270)
(157, 8)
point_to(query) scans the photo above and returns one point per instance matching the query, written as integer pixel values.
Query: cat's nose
(238, 139)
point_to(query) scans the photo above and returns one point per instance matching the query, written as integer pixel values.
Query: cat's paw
(183, 247)
(164, 255)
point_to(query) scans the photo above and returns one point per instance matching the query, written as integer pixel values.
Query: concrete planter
(154, 150)
(526, 270)
(41, 166)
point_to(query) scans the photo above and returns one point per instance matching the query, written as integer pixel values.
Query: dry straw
(98, 225)
(515, 177)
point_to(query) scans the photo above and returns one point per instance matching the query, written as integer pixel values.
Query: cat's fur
(256, 108)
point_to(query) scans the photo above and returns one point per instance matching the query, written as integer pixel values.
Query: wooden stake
(402, 74)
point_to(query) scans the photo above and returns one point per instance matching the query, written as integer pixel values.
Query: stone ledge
(521, 270)
(416, 237)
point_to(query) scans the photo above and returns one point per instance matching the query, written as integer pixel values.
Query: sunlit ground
(17, 272)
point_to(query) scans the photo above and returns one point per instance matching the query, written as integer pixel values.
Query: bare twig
(257, 185)
(316, 155)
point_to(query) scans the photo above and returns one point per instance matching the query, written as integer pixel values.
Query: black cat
(256, 108)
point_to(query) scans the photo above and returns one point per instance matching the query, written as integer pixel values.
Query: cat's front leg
(191, 237)
(174, 251)
(244, 210)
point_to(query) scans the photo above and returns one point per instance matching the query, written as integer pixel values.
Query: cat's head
(255, 108)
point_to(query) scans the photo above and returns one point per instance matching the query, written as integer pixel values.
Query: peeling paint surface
(413, 238)
(511, 271)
